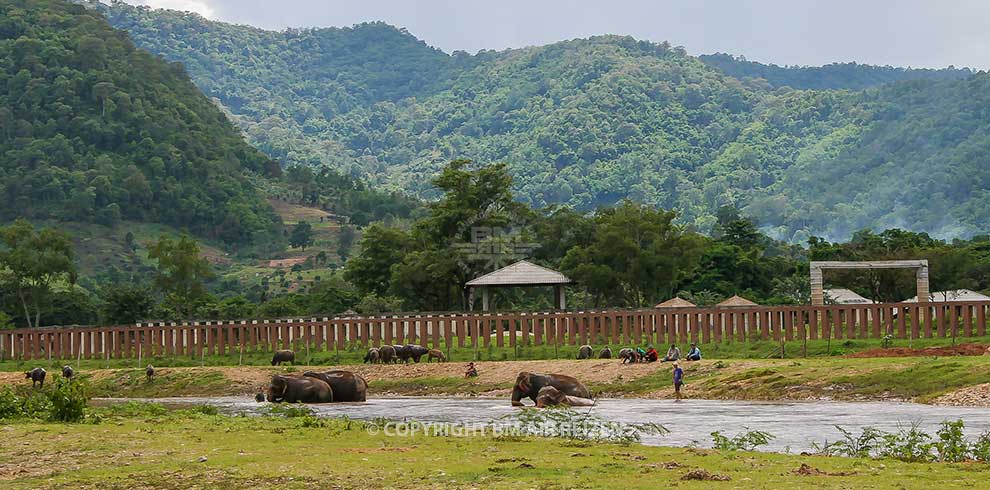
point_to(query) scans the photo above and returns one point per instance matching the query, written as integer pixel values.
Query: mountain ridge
(584, 123)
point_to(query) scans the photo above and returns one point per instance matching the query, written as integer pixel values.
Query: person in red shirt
(651, 355)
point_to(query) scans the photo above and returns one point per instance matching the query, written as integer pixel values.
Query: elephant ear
(523, 383)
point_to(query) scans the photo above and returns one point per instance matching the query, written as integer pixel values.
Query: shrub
(67, 401)
(10, 404)
(746, 441)
(951, 446)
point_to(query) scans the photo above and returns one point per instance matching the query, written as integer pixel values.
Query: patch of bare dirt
(958, 350)
(970, 396)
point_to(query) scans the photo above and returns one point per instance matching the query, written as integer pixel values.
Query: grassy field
(179, 450)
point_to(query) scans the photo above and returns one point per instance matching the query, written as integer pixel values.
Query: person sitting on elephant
(550, 397)
(673, 354)
(694, 354)
(471, 371)
(528, 385)
(651, 355)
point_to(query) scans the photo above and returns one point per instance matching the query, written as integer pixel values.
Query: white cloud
(201, 7)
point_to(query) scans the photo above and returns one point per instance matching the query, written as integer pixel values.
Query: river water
(794, 425)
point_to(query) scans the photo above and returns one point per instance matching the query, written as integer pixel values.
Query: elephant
(405, 352)
(346, 386)
(37, 376)
(436, 354)
(149, 372)
(628, 355)
(303, 389)
(550, 396)
(528, 385)
(283, 356)
(387, 354)
(605, 353)
(372, 356)
(585, 352)
(259, 397)
(68, 372)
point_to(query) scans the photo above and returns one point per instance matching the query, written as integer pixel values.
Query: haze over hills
(593, 121)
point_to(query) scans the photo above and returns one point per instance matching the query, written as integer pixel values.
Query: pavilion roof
(737, 300)
(521, 273)
(675, 302)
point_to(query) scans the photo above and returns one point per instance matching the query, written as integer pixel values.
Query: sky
(916, 33)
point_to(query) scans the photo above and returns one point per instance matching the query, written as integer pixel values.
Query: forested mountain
(594, 121)
(94, 129)
(852, 76)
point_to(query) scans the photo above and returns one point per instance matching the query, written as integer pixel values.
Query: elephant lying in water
(551, 397)
(528, 385)
(346, 386)
(292, 389)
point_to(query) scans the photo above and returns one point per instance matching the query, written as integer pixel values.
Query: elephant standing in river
(551, 397)
(528, 385)
(346, 386)
(293, 389)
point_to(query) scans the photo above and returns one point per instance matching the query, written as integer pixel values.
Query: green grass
(148, 448)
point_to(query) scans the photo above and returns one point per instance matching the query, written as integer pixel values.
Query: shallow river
(794, 425)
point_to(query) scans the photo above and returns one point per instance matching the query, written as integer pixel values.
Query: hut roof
(521, 273)
(846, 297)
(675, 303)
(953, 295)
(737, 301)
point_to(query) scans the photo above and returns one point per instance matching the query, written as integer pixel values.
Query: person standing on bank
(678, 380)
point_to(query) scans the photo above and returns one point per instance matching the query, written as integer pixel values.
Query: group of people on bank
(650, 354)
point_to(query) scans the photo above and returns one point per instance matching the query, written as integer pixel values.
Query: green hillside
(591, 122)
(94, 129)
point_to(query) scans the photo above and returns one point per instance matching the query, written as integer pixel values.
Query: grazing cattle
(283, 356)
(37, 377)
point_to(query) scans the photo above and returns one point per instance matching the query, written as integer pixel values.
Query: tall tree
(31, 262)
(180, 272)
(301, 236)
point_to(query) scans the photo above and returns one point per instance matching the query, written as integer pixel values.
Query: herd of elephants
(346, 386)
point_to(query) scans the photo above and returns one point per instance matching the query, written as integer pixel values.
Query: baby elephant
(37, 377)
(149, 372)
(283, 356)
(67, 372)
(436, 354)
(372, 356)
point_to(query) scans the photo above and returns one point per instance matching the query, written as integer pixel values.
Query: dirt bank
(925, 379)
(958, 350)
